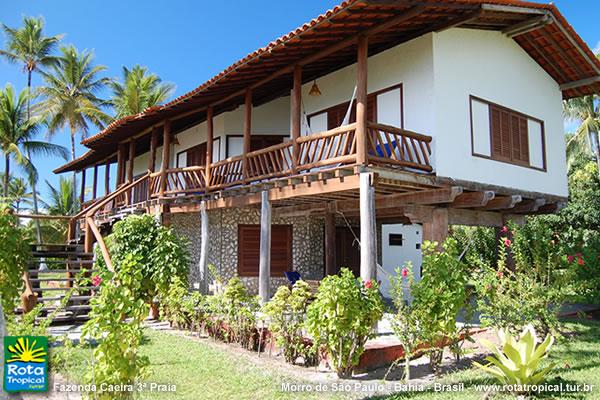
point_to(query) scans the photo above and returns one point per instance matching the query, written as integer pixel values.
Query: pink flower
(504, 229)
(500, 274)
(368, 284)
(404, 272)
(507, 242)
(580, 261)
(96, 280)
(570, 259)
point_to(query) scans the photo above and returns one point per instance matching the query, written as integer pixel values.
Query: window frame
(289, 228)
(504, 160)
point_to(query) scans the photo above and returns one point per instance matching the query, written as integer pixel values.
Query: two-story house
(384, 121)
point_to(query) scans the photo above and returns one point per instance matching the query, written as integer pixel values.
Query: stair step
(55, 246)
(78, 307)
(61, 254)
(61, 262)
(72, 298)
(62, 271)
(66, 318)
(64, 289)
(32, 280)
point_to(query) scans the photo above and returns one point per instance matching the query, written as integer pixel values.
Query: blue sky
(187, 41)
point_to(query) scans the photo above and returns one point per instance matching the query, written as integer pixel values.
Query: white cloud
(596, 49)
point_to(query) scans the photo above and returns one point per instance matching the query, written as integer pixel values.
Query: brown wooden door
(196, 155)
(335, 115)
(347, 251)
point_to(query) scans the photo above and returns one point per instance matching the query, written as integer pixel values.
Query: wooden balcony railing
(386, 146)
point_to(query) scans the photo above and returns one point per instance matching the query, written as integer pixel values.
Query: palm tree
(29, 46)
(16, 135)
(585, 141)
(138, 91)
(62, 201)
(18, 192)
(69, 94)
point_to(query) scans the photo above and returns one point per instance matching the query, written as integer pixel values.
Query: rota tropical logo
(25, 363)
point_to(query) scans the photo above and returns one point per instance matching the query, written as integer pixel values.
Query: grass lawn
(202, 371)
(577, 356)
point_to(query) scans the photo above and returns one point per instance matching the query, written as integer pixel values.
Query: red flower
(368, 284)
(507, 242)
(570, 259)
(504, 229)
(96, 280)
(580, 261)
(500, 274)
(404, 272)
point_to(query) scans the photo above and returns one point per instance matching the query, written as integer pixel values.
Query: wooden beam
(131, 160)
(296, 114)
(436, 230)
(580, 83)
(432, 196)
(361, 100)
(300, 210)
(473, 199)
(82, 194)
(121, 163)
(330, 267)
(107, 178)
(458, 216)
(209, 142)
(528, 206)
(368, 230)
(204, 247)
(264, 267)
(247, 130)
(528, 25)
(95, 184)
(502, 203)
(166, 150)
(153, 146)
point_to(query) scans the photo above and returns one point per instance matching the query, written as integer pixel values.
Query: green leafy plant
(116, 317)
(518, 361)
(439, 296)
(286, 312)
(240, 312)
(14, 253)
(342, 318)
(182, 309)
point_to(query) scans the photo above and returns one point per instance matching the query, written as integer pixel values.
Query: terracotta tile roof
(357, 15)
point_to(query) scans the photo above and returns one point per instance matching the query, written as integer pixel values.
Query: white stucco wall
(494, 67)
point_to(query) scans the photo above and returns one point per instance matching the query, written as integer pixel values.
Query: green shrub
(439, 296)
(14, 254)
(286, 312)
(527, 293)
(181, 308)
(342, 318)
(517, 361)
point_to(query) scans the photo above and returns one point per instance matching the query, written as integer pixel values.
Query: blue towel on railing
(292, 276)
(388, 148)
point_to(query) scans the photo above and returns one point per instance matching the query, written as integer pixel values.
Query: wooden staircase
(64, 262)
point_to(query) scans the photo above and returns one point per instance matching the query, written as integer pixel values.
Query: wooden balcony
(387, 146)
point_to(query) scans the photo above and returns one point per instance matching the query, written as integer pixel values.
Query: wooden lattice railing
(389, 145)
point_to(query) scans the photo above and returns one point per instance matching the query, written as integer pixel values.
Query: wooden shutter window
(509, 136)
(249, 249)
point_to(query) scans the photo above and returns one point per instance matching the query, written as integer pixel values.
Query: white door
(400, 244)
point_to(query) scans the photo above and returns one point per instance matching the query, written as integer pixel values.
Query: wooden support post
(203, 247)
(209, 143)
(247, 131)
(122, 149)
(436, 229)
(131, 159)
(95, 184)
(82, 194)
(296, 115)
(330, 267)
(165, 157)
(264, 267)
(368, 232)
(153, 145)
(361, 100)
(107, 178)
(88, 244)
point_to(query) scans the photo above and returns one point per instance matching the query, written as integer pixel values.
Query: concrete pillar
(204, 247)
(264, 267)
(368, 232)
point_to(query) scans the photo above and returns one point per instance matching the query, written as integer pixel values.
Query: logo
(25, 363)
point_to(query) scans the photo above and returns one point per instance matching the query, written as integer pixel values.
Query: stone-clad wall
(307, 248)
